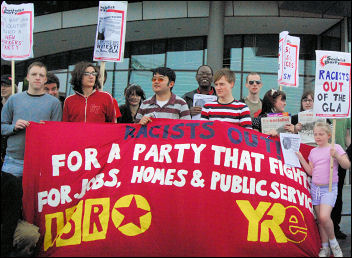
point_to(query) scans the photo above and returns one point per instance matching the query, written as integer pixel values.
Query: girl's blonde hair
(325, 126)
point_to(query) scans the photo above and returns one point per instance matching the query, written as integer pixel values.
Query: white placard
(17, 24)
(200, 100)
(290, 144)
(274, 123)
(111, 30)
(308, 119)
(332, 97)
(288, 73)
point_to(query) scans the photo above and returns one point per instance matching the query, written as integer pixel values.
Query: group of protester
(91, 104)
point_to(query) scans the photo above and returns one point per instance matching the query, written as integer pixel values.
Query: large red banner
(172, 188)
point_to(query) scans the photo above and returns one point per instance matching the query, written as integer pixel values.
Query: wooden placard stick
(331, 158)
(13, 76)
(102, 72)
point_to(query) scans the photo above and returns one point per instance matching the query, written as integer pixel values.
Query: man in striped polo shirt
(226, 108)
(164, 103)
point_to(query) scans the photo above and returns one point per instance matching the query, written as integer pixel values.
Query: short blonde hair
(325, 126)
(229, 75)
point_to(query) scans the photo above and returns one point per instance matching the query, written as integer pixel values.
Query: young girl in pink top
(319, 168)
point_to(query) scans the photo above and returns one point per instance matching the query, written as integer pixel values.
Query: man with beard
(204, 78)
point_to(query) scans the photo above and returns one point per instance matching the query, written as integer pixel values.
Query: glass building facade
(242, 53)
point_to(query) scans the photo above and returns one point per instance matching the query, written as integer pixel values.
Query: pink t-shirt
(320, 157)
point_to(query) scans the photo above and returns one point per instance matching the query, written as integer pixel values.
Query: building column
(215, 42)
(344, 35)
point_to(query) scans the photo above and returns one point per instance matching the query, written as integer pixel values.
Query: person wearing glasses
(226, 108)
(88, 104)
(164, 103)
(254, 85)
(306, 110)
(204, 77)
(307, 102)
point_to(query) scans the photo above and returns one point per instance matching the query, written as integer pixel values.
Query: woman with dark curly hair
(274, 101)
(134, 96)
(88, 104)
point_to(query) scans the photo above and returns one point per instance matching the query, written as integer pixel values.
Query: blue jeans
(13, 166)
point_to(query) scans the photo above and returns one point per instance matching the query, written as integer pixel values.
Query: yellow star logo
(133, 208)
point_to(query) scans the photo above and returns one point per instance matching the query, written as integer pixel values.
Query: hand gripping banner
(172, 188)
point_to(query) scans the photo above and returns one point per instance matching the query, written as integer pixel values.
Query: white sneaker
(324, 252)
(336, 250)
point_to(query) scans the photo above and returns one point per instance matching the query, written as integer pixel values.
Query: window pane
(233, 52)
(308, 82)
(330, 43)
(144, 79)
(331, 39)
(185, 53)
(308, 44)
(122, 65)
(120, 83)
(293, 96)
(185, 82)
(62, 75)
(69, 90)
(185, 59)
(307, 67)
(185, 44)
(147, 61)
(236, 91)
(108, 65)
(108, 83)
(147, 54)
(235, 55)
(85, 54)
(260, 53)
(57, 61)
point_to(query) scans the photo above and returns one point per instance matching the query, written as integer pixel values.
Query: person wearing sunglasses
(88, 104)
(164, 103)
(254, 85)
(204, 77)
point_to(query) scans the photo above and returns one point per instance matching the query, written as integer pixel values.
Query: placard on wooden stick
(332, 95)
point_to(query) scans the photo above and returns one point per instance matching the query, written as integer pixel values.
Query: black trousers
(11, 209)
(337, 210)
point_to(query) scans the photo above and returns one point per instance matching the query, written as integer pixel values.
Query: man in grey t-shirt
(19, 110)
(32, 105)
